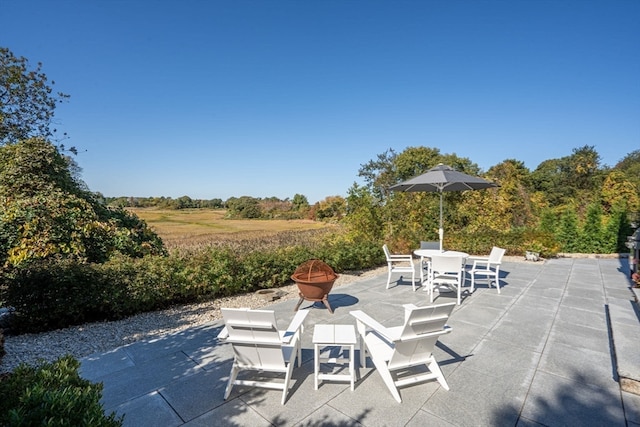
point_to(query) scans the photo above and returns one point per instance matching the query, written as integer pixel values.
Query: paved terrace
(543, 352)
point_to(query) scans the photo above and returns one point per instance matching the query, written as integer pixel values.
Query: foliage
(331, 208)
(568, 231)
(45, 212)
(630, 167)
(244, 207)
(561, 198)
(27, 101)
(52, 394)
(363, 217)
(592, 235)
(58, 292)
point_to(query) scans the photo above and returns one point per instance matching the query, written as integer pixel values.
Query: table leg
(316, 362)
(352, 371)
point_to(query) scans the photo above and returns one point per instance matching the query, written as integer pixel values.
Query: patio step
(624, 318)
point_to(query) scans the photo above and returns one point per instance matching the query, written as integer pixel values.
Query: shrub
(56, 293)
(53, 293)
(52, 394)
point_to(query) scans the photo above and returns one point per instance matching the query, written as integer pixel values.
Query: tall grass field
(194, 228)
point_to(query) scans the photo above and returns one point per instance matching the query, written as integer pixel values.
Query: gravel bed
(83, 340)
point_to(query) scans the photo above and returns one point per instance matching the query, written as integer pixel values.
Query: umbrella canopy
(443, 178)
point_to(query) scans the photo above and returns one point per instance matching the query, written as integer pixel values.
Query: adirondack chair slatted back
(419, 335)
(255, 338)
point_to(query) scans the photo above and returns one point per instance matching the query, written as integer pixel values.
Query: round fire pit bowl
(315, 279)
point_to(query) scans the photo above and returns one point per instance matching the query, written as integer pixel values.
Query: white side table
(334, 335)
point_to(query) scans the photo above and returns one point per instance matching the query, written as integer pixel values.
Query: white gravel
(83, 340)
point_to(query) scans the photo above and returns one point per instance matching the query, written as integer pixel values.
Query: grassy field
(187, 228)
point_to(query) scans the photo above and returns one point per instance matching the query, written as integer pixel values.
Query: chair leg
(287, 380)
(473, 283)
(435, 369)
(498, 278)
(383, 370)
(389, 278)
(232, 378)
(413, 279)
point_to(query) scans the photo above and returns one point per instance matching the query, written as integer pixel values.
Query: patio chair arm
(401, 257)
(478, 261)
(295, 325)
(364, 319)
(224, 333)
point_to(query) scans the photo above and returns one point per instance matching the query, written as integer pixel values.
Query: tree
(618, 189)
(300, 202)
(591, 240)
(244, 207)
(331, 208)
(630, 167)
(45, 213)
(568, 230)
(27, 100)
(363, 215)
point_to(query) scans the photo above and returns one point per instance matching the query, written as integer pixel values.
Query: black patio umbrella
(443, 178)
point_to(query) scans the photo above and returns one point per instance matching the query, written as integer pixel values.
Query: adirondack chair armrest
(295, 325)
(364, 319)
(224, 334)
(445, 330)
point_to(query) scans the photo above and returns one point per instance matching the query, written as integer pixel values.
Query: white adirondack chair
(399, 264)
(258, 345)
(448, 271)
(488, 267)
(394, 349)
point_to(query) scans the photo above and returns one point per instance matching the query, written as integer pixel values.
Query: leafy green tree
(363, 214)
(568, 231)
(27, 100)
(44, 212)
(331, 208)
(244, 207)
(618, 190)
(584, 168)
(616, 231)
(591, 240)
(300, 202)
(380, 174)
(502, 208)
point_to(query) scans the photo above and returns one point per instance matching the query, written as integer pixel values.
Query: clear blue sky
(214, 99)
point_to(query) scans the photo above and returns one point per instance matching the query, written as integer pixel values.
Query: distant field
(196, 227)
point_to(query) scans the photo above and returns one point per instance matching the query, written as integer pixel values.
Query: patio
(546, 350)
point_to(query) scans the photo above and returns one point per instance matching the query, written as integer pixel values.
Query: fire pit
(315, 280)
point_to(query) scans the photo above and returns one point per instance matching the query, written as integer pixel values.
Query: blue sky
(215, 99)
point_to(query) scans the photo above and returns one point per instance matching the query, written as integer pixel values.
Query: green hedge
(52, 394)
(57, 293)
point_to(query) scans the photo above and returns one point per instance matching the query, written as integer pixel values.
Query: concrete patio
(547, 350)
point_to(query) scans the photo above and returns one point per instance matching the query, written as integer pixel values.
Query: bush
(56, 293)
(52, 394)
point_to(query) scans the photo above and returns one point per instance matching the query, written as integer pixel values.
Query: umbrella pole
(441, 230)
